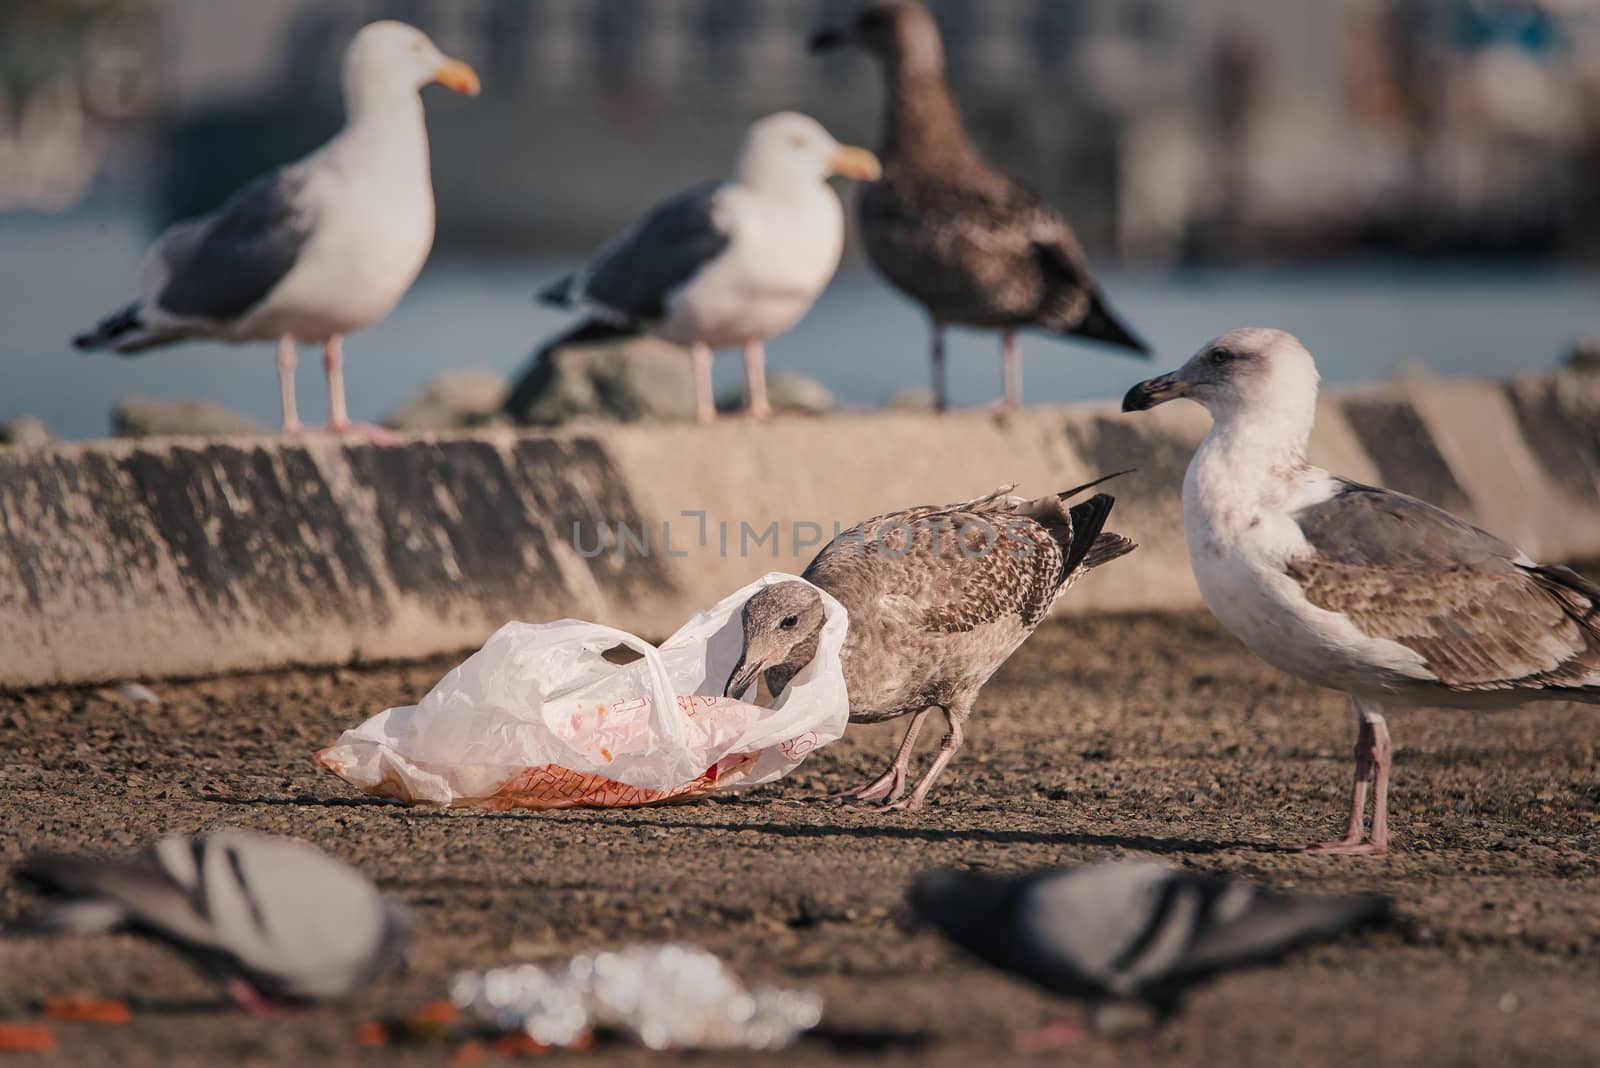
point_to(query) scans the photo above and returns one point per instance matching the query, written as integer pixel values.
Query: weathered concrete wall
(122, 560)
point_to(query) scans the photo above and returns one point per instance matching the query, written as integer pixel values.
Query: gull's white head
(1250, 372)
(391, 60)
(789, 149)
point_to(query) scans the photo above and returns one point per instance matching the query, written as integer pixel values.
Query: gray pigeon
(275, 920)
(1130, 931)
(939, 598)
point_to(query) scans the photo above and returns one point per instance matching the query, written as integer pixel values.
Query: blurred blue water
(58, 275)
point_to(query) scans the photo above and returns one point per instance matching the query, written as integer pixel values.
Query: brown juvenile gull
(1132, 931)
(314, 250)
(974, 246)
(275, 920)
(1356, 588)
(938, 598)
(727, 264)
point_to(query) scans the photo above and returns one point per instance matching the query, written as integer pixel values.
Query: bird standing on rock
(314, 250)
(1376, 594)
(730, 263)
(971, 244)
(1130, 931)
(938, 598)
(276, 920)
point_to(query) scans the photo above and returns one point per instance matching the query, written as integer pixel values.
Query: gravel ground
(1102, 738)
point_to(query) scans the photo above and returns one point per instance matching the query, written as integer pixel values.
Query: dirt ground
(1102, 738)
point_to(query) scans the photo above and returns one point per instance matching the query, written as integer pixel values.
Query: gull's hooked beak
(828, 39)
(857, 163)
(1154, 391)
(458, 76)
(744, 676)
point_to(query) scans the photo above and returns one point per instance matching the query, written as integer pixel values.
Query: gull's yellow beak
(458, 76)
(857, 163)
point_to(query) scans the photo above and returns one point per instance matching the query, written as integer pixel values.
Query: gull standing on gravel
(314, 250)
(1130, 931)
(729, 263)
(1360, 589)
(971, 244)
(273, 919)
(938, 598)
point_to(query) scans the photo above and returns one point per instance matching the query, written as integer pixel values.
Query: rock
(458, 400)
(147, 417)
(910, 399)
(1585, 354)
(787, 392)
(25, 431)
(629, 379)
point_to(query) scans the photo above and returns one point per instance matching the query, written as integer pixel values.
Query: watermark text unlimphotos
(777, 539)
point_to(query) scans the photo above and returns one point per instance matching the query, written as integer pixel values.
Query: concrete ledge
(182, 557)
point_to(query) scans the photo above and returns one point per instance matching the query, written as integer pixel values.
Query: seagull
(974, 246)
(275, 920)
(938, 598)
(728, 263)
(1135, 931)
(316, 249)
(1356, 588)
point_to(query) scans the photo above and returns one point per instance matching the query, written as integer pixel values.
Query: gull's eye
(1221, 356)
(798, 141)
(790, 622)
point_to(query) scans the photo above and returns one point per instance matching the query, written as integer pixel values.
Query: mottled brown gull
(314, 250)
(973, 245)
(1360, 589)
(938, 598)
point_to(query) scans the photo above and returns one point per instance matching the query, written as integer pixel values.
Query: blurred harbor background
(1404, 183)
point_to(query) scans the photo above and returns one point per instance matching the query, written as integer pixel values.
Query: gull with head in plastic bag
(938, 598)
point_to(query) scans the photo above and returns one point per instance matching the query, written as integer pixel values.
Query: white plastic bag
(538, 718)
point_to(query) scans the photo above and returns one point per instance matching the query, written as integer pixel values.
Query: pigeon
(971, 244)
(313, 250)
(1360, 589)
(728, 263)
(275, 920)
(1131, 931)
(938, 598)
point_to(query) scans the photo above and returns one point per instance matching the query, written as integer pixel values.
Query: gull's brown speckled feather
(1480, 614)
(940, 596)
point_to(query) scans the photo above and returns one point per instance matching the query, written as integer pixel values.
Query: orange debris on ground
(88, 1010)
(26, 1038)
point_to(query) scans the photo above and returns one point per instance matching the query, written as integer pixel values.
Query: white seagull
(1360, 589)
(730, 263)
(313, 250)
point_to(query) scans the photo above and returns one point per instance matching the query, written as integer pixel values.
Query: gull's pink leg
(338, 415)
(287, 361)
(755, 378)
(947, 749)
(249, 999)
(889, 785)
(705, 405)
(1374, 755)
(1010, 372)
(941, 395)
(1051, 1038)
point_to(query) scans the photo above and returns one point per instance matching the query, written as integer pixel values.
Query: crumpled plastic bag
(538, 718)
(670, 996)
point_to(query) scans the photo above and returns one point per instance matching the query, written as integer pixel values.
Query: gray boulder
(25, 431)
(620, 379)
(458, 400)
(787, 392)
(910, 399)
(147, 417)
(1585, 354)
